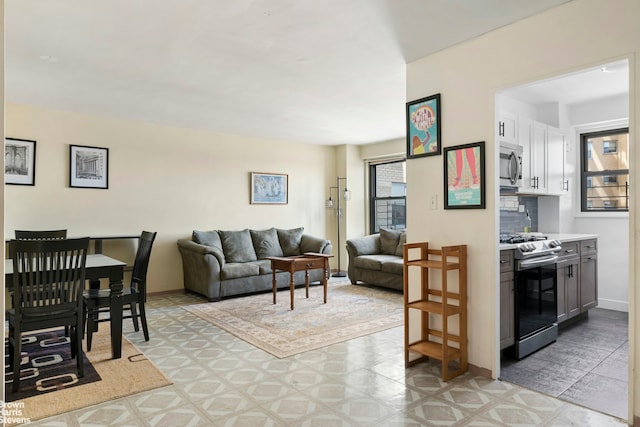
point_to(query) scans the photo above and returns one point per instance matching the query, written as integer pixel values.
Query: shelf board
(434, 349)
(425, 263)
(434, 307)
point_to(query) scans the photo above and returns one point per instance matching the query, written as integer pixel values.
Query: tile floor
(587, 365)
(220, 380)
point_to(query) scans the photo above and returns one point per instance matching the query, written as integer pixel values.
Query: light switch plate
(434, 201)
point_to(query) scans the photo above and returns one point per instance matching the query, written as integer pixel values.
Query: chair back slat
(41, 234)
(48, 275)
(141, 263)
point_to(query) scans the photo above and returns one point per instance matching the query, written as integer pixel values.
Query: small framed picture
(89, 167)
(269, 188)
(19, 161)
(423, 127)
(464, 176)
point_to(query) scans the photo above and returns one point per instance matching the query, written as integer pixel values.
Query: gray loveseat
(219, 264)
(377, 259)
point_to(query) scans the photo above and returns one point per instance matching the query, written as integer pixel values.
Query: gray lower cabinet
(588, 274)
(507, 300)
(577, 278)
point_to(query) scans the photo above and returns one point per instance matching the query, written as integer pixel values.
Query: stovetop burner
(514, 238)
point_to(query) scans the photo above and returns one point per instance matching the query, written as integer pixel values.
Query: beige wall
(561, 40)
(163, 179)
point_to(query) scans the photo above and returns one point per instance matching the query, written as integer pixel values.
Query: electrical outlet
(434, 201)
(521, 208)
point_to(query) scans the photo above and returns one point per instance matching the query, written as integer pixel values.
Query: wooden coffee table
(306, 262)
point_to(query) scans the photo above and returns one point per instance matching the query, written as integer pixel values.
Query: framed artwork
(19, 161)
(464, 176)
(89, 167)
(423, 127)
(269, 188)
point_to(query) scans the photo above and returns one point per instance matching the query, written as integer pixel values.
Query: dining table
(98, 266)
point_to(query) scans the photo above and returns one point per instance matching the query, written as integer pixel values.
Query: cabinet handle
(565, 185)
(503, 261)
(501, 128)
(568, 251)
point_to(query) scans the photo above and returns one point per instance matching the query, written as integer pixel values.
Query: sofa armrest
(366, 245)
(189, 245)
(319, 245)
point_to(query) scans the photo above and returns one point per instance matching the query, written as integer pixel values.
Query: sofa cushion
(239, 269)
(290, 240)
(373, 262)
(394, 266)
(389, 241)
(401, 241)
(264, 265)
(237, 246)
(266, 243)
(207, 238)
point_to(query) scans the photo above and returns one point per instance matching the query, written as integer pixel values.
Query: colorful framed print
(269, 188)
(89, 167)
(19, 161)
(464, 176)
(423, 127)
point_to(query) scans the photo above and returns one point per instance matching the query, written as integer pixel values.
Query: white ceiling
(312, 71)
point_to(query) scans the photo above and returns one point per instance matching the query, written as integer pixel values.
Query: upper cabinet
(543, 147)
(507, 127)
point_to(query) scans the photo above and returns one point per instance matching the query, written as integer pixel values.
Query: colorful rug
(133, 373)
(351, 311)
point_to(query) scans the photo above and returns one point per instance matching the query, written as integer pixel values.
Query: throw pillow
(266, 243)
(401, 242)
(389, 241)
(237, 246)
(207, 238)
(290, 240)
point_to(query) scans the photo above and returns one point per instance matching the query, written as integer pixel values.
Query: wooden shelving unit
(442, 302)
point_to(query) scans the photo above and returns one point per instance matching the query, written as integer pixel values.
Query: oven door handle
(535, 262)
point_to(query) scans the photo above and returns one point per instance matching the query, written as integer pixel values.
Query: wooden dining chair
(48, 282)
(97, 301)
(41, 234)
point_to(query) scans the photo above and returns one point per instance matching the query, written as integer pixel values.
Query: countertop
(563, 237)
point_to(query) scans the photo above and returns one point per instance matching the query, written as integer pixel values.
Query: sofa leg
(354, 282)
(215, 299)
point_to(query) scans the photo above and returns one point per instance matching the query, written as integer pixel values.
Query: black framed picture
(464, 176)
(423, 127)
(89, 167)
(19, 161)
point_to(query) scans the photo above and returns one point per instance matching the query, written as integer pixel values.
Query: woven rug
(351, 311)
(133, 373)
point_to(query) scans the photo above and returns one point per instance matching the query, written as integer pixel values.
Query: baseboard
(611, 304)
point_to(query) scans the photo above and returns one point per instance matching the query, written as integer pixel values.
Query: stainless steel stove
(513, 238)
(535, 295)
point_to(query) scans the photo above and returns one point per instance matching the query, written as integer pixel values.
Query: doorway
(590, 100)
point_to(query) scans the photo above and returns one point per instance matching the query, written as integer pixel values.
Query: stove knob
(554, 243)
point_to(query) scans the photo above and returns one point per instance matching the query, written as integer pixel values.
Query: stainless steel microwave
(510, 165)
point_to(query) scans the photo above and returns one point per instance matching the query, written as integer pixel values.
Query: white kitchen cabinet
(507, 127)
(557, 183)
(543, 158)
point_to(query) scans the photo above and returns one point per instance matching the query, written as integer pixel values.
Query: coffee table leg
(292, 289)
(273, 282)
(306, 282)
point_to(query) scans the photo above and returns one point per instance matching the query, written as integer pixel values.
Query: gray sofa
(219, 264)
(377, 259)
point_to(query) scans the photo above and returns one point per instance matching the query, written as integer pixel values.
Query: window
(388, 189)
(605, 171)
(609, 147)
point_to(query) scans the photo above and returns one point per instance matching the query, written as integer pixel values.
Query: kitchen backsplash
(514, 221)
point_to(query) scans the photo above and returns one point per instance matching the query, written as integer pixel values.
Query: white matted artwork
(89, 167)
(269, 188)
(19, 161)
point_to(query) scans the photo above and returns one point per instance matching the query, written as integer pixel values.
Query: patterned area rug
(46, 366)
(133, 373)
(351, 311)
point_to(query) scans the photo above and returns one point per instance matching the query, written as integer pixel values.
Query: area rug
(47, 366)
(133, 373)
(351, 311)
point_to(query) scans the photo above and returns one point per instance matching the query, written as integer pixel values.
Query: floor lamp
(340, 195)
